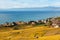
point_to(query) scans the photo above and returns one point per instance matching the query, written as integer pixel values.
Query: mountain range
(34, 9)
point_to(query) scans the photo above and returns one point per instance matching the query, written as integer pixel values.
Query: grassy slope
(36, 33)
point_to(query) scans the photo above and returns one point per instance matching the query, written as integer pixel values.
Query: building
(32, 22)
(55, 23)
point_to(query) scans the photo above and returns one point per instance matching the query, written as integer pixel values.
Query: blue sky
(6, 4)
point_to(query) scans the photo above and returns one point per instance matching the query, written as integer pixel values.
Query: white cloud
(6, 4)
(56, 4)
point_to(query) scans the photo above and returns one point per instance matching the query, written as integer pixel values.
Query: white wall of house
(56, 26)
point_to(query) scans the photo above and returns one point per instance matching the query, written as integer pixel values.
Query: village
(51, 22)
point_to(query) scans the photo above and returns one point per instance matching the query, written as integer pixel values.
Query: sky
(7, 4)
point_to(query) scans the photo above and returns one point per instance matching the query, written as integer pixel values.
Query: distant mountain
(34, 9)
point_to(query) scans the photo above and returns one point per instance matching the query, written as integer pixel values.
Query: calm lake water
(12, 16)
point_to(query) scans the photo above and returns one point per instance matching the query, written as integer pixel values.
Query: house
(32, 22)
(7, 24)
(20, 23)
(55, 23)
(39, 21)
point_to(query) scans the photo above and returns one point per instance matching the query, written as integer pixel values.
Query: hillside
(41, 30)
(35, 33)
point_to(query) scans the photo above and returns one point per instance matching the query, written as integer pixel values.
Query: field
(35, 33)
